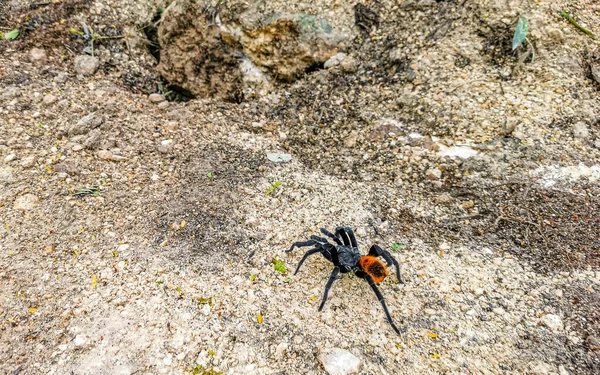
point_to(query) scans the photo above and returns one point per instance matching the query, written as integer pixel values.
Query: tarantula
(346, 258)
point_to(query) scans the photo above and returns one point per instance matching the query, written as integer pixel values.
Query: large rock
(214, 48)
(194, 57)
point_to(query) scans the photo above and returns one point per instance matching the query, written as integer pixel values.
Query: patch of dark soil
(580, 306)
(206, 224)
(551, 230)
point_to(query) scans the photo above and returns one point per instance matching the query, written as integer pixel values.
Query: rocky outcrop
(217, 49)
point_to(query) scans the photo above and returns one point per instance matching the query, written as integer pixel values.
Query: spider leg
(381, 300)
(332, 278)
(339, 231)
(321, 240)
(306, 255)
(332, 236)
(302, 244)
(352, 237)
(378, 251)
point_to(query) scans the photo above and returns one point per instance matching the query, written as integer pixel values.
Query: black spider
(346, 258)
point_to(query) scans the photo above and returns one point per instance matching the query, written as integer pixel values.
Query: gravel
(148, 265)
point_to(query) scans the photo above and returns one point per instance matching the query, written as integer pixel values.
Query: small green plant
(272, 188)
(520, 34)
(570, 18)
(11, 35)
(279, 265)
(93, 191)
(397, 247)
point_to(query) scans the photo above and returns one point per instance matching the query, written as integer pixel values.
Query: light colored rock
(335, 60)
(339, 361)
(433, 174)
(553, 322)
(26, 202)
(105, 154)
(86, 65)
(80, 340)
(28, 161)
(10, 158)
(86, 124)
(580, 130)
(252, 222)
(49, 99)
(156, 98)
(38, 56)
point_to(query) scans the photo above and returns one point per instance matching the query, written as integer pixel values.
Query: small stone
(580, 130)
(80, 340)
(349, 65)
(468, 204)
(10, 158)
(339, 361)
(433, 174)
(252, 222)
(479, 291)
(105, 154)
(593, 343)
(335, 60)
(562, 370)
(26, 202)
(49, 249)
(163, 105)
(93, 140)
(280, 349)
(361, 232)
(49, 99)
(156, 98)
(430, 311)
(28, 161)
(86, 124)
(38, 56)
(597, 144)
(350, 142)
(86, 65)
(77, 147)
(553, 322)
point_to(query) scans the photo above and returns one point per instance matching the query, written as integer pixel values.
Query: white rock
(252, 222)
(339, 361)
(433, 174)
(10, 158)
(37, 56)
(80, 340)
(26, 202)
(86, 65)
(562, 370)
(49, 99)
(554, 322)
(580, 130)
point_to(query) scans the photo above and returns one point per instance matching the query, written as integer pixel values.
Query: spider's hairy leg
(332, 236)
(320, 240)
(382, 301)
(379, 252)
(352, 236)
(332, 278)
(302, 244)
(310, 252)
(341, 232)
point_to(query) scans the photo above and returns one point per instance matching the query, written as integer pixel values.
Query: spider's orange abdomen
(373, 266)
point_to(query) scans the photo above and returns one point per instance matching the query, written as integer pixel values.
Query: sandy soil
(166, 267)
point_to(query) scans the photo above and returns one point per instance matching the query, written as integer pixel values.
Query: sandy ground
(167, 266)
